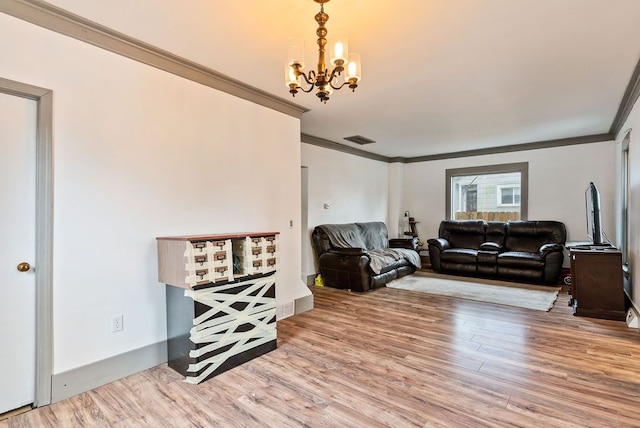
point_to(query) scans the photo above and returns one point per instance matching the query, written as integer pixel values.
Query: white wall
(140, 153)
(633, 124)
(558, 178)
(354, 187)
(396, 224)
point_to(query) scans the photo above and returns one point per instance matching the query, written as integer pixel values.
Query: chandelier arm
(310, 79)
(309, 89)
(337, 71)
(338, 87)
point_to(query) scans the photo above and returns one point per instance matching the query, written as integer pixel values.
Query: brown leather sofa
(529, 251)
(360, 256)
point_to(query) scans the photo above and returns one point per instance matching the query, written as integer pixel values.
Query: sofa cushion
(529, 236)
(396, 264)
(487, 257)
(496, 232)
(463, 234)
(459, 255)
(520, 259)
(380, 258)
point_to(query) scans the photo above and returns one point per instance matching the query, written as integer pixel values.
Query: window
(470, 193)
(508, 195)
(491, 193)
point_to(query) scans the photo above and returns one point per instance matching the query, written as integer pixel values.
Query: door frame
(44, 232)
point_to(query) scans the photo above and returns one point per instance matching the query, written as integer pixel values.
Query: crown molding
(328, 144)
(321, 142)
(598, 138)
(61, 21)
(629, 99)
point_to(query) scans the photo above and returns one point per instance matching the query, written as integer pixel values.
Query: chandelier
(346, 67)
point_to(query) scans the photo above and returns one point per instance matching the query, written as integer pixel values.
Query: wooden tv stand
(596, 283)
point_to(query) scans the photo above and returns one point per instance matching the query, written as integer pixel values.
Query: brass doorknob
(23, 267)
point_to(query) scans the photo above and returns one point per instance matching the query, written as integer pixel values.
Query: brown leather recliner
(522, 250)
(360, 256)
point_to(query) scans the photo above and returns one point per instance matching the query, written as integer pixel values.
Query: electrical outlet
(116, 323)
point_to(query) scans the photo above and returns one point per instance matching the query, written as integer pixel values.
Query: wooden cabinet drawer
(192, 261)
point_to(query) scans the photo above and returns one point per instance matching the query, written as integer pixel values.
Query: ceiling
(438, 76)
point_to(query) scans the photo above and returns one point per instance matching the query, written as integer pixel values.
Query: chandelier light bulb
(290, 76)
(354, 68)
(339, 49)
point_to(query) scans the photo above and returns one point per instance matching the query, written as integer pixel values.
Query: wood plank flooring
(393, 358)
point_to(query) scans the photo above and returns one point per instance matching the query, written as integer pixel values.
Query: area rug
(538, 297)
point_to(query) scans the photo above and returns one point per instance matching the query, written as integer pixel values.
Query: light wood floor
(393, 358)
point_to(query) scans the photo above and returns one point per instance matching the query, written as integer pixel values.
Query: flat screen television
(594, 218)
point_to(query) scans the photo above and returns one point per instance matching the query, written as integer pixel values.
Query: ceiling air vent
(359, 139)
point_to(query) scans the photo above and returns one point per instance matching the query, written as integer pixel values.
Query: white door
(18, 121)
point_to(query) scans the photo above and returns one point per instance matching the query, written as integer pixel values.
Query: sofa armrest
(348, 251)
(408, 243)
(440, 243)
(491, 246)
(436, 246)
(345, 271)
(550, 248)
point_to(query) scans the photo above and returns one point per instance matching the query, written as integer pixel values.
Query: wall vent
(359, 139)
(285, 310)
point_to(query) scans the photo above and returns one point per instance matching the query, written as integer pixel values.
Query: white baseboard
(304, 304)
(633, 313)
(632, 318)
(86, 378)
(311, 279)
(91, 376)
